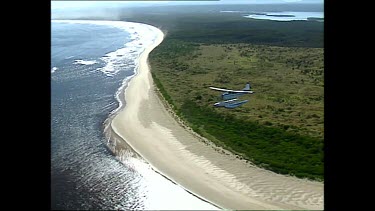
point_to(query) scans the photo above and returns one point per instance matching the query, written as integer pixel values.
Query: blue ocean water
(81, 99)
(89, 63)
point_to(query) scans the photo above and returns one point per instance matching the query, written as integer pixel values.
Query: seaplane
(230, 96)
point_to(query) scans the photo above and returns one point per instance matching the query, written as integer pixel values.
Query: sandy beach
(214, 175)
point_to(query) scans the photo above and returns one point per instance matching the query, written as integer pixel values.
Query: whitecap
(54, 69)
(83, 62)
(231, 11)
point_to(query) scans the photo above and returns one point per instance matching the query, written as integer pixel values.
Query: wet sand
(207, 171)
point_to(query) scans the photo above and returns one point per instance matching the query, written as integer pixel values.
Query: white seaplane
(230, 96)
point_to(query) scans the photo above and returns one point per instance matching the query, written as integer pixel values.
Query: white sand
(220, 178)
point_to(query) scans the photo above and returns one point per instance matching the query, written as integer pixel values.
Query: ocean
(91, 63)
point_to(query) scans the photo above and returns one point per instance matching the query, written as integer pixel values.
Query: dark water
(89, 65)
(84, 173)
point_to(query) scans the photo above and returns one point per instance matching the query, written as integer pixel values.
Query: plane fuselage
(228, 95)
(234, 103)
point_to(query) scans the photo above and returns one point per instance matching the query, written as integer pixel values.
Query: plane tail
(247, 87)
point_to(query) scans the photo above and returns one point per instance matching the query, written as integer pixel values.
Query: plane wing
(229, 90)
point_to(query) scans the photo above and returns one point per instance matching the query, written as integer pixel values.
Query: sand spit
(220, 178)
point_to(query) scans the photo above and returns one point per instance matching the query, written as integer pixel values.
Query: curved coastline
(149, 129)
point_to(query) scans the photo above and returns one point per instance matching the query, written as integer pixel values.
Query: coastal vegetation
(282, 127)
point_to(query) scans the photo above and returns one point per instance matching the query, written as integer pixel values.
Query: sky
(88, 4)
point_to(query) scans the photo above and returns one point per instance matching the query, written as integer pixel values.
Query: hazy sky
(82, 4)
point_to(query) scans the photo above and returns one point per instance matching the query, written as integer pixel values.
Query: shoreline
(148, 127)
